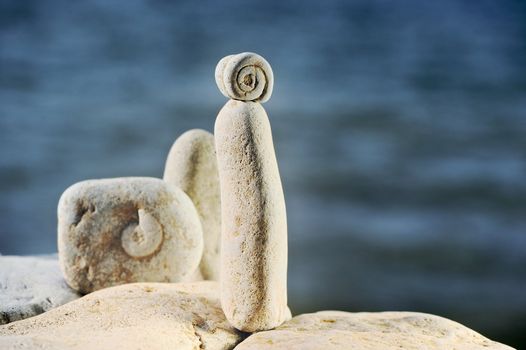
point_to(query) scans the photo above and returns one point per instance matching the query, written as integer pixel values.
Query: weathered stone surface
(335, 330)
(253, 216)
(132, 316)
(30, 286)
(124, 230)
(192, 166)
(246, 76)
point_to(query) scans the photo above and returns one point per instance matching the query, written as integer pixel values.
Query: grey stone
(31, 285)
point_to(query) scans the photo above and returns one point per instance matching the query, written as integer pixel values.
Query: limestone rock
(30, 286)
(253, 216)
(335, 330)
(124, 230)
(132, 316)
(246, 77)
(192, 166)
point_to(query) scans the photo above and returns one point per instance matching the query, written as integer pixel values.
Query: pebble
(192, 166)
(122, 230)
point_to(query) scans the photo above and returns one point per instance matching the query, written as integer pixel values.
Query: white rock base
(131, 316)
(337, 330)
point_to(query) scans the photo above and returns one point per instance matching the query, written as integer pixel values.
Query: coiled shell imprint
(246, 76)
(142, 239)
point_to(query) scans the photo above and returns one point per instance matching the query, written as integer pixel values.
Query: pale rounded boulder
(192, 166)
(338, 330)
(253, 214)
(183, 316)
(123, 230)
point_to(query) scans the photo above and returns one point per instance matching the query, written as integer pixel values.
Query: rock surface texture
(30, 286)
(337, 330)
(133, 316)
(253, 215)
(192, 166)
(124, 230)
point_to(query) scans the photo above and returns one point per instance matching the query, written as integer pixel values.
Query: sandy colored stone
(246, 77)
(132, 316)
(337, 330)
(192, 166)
(30, 286)
(123, 230)
(254, 223)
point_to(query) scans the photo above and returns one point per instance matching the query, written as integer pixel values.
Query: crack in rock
(201, 344)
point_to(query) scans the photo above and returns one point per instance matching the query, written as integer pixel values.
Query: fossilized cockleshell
(124, 230)
(245, 76)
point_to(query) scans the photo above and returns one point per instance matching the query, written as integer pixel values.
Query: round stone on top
(246, 77)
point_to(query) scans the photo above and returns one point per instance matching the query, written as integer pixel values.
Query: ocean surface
(399, 126)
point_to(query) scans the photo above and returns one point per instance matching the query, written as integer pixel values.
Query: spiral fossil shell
(143, 238)
(246, 76)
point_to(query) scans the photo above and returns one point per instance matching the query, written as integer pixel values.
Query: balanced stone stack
(218, 214)
(254, 223)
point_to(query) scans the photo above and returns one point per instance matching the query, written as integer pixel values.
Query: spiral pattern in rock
(124, 230)
(143, 238)
(246, 77)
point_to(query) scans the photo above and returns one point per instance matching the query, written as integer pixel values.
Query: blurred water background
(400, 131)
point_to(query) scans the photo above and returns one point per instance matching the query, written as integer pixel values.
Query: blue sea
(399, 127)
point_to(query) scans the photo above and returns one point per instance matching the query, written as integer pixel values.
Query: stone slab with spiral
(115, 231)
